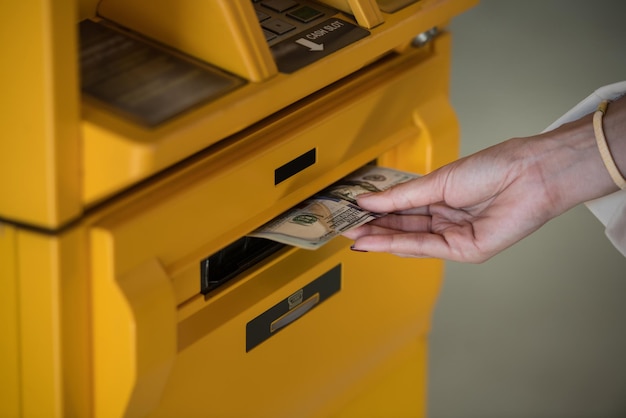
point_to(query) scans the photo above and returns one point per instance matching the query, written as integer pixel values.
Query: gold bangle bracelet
(603, 147)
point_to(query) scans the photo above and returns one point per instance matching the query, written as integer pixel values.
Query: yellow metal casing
(10, 389)
(152, 331)
(58, 162)
(102, 313)
(44, 283)
(138, 152)
(40, 162)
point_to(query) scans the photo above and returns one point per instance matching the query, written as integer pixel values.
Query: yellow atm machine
(143, 140)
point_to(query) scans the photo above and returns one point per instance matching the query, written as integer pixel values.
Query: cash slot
(233, 260)
(247, 251)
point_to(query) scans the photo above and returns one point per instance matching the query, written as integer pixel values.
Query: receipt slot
(149, 140)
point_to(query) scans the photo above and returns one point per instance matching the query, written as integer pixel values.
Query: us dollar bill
(333, 210)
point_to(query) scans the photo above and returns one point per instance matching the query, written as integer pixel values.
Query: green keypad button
(305, 14)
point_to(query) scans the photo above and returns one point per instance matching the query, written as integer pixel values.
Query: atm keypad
(281, 19)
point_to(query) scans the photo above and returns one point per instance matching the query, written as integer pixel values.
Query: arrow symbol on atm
(311, 45)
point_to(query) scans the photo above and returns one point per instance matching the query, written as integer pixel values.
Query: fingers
(456, 244)
(413, 236)
(407, 236)
(392, 223)
(367, 229)
(415, 194)
(404, 223)
(416, 244)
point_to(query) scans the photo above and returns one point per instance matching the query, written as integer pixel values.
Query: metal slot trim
(295, 313)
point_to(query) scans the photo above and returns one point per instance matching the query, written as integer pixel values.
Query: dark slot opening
(233, 260)
(295, 166)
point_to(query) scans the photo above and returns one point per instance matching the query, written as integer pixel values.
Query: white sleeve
(611, 209)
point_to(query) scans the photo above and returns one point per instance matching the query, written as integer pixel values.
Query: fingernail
(357, 250)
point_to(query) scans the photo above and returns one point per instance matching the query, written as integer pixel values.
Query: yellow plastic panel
(191, 213)
(9, 325)
(326, 359)
(437, 144)
(366, 12)
(154, 150)
(138, 153)
(397, 389)
(160, 233)
(40, 325)
(75, 312)
(347, 127)
(87, 9)
(39, 144)
(45, 324)
(134, 332)
(397, 129)
(225, 33)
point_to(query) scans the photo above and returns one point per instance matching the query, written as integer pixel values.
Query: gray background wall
(539, 330)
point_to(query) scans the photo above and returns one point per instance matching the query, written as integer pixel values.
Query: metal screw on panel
(425, 37)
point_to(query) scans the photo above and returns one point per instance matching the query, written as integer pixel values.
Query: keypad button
(277, 26)
(279, 5)
(305, 14)
(261, 16)
(268, 35)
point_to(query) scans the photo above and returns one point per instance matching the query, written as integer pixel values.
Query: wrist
(572, 170)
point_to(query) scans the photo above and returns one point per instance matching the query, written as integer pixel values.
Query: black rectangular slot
(260, 328)
(234, 259)
(295, 166)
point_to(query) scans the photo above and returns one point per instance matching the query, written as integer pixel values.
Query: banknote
(332, 211)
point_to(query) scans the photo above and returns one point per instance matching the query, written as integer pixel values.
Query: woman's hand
(475, 207)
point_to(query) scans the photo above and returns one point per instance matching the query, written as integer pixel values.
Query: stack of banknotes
(332, 211)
